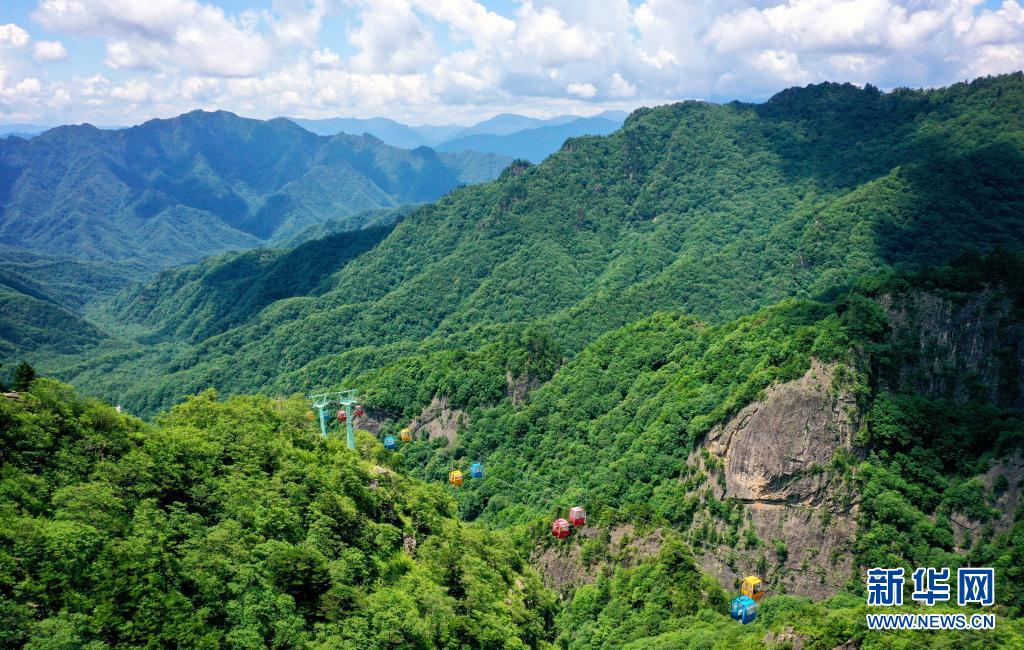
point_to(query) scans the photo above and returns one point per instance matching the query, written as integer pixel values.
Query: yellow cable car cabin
(455, 477)
(753, 587)
(406, 435)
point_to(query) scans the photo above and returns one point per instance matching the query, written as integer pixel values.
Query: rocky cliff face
(438, 420)
(774, 491)
(962, 347)
(593, 550)
(1009, 471)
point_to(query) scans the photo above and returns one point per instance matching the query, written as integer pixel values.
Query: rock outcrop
(968, 348)
(780, 462)
(565, 566)
(437, 420)
(1004, 480)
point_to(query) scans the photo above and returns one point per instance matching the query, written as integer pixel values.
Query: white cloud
(460, 59)
(163, 34)
(391, 38)
(298, 21)
(619, 87)
(552, 41)
(585, 91)
(325, 58)
(485, 28)
(48, 51)
(13, 36)
(1004, 26)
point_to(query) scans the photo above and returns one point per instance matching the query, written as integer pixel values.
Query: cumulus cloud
(325, 58)
(163, 34)
(49, 51)
(391, 37)
(13, 36)
(463, 59)
(581, 90)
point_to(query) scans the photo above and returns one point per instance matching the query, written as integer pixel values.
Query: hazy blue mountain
(407, 136)
(533, 144)
(394, 133)
(506, 123)
(438, 133)
(21, 130)
(177, 190)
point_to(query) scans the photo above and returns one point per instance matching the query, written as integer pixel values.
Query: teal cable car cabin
(744, 609)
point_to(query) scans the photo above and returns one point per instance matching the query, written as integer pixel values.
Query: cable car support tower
(346, 399)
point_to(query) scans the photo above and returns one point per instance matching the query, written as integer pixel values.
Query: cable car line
(743, 608)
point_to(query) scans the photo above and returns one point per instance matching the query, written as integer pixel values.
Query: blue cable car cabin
(390, 442)
(744, 609)
(476, 470)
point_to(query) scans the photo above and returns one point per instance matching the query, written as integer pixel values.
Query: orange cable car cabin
(455, 477)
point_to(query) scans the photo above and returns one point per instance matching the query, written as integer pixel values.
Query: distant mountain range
(534, 144)
(517, 136)
(86, 211)
(177, 190)
(509, 134)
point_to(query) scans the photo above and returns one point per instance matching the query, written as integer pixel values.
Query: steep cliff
(775, 497)
(963, 346)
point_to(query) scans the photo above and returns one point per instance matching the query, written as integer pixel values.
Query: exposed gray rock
(775, 459)
(973, 347)
(438, 421)
(562, 566)
(1006, 503)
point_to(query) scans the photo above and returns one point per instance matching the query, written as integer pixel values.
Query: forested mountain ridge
(175, 190)
(712, 210)
(195, 302)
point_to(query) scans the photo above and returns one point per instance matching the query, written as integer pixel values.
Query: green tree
(24, 374)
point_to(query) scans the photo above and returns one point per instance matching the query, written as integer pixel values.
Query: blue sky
(124, 61)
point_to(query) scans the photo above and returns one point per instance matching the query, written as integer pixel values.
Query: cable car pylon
(346, 399)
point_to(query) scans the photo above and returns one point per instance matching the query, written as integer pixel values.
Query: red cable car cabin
(341, 416)
(359, 410)
(577, 516)
(560, 528)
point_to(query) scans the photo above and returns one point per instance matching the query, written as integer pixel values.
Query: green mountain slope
(231, 524)
(171, 191)
(195, 302)
(709, 210)
(34, 323)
